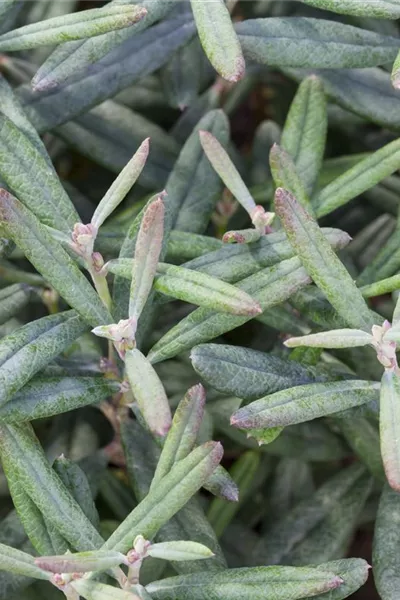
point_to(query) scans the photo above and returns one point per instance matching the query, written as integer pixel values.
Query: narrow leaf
(147, 253)
(285, 175)
(387, 545)
(93, 590)
(51, 260)
(82, 562)
(20, 563)
(389, 423)
(380, 9)
(121, 186)
(337, 338)
(148, 392)
(219, 39)
(31, 348)
(321, 262)
(179, 551)
(73, 26)
(304, 133)
(13, 299)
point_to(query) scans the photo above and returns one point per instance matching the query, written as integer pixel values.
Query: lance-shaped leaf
(13, 298)
(292, 529)
(225, 168)
(76, 482)
(184, 430)
(51, 260)
(304, 132)
(70, 58)
(81, 562)
(73, 26)
(172, 493)
(136, 57)
(379, 288)
(93, 590)
(44, 397)
(147, 253)
(359, 178)
(181, 550)
(304, 403)
(337, 338)
(286, 175)
(149, 392)
(381, 9)
(385, 558)
(246, 584)
(31, 348)
(362, 436)
(354, 573)
(184, 245)
(320, 261)
(313, 43)
(396, 72)
(389, 424)
(190, 523)
(247, 373)
(20, 563)
(219, 39)
(243, 472)
(234, 262)
(24, 462)
(121, 186)
(28, 173)
(269, 287)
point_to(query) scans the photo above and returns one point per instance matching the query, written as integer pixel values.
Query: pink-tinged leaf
(337, 338)
(219, 39)
(148, 392)
(121, 185)
(82, 562)
(147, 254)
(93, 590)
(242, 236)
(389, 427)
(225, 168)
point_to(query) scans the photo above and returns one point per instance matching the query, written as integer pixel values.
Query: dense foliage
(199, 299)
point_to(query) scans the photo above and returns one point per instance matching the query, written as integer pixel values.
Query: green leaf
(219, 39)
(353, 571)
(320, 261)
(269, 287)
(291, 531)
(32, 347)
(286, 175)
(172, 493)
(77, 484)
(93, 590)
(44, 397)
(147, 253)
(179, 551)
(246, 584)
(380, 9)
(396, 72)
(223, 165)
(389, 423)
(20, 563)
(81, 562)
(136, 57)
(73, 26)
(304, 133)
(182, 436)
(243, 472)
(248, 373)
(13, 299)
(204, 290)
(121, 186)
(28, 173)
(149, 392)
(51, 260)
(313, 43)
(363, 438)
(337, 338)
(24, 462)
(386, 546)
(363, 176)
(74, 57)
(193, 187)
(304, 403)
(183, 245)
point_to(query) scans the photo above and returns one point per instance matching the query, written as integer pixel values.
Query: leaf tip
(239, 70)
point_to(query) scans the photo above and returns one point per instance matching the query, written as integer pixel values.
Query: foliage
(180, 183)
